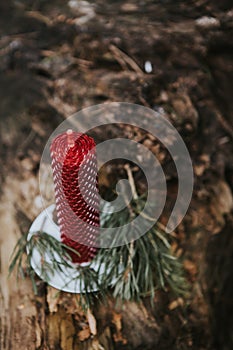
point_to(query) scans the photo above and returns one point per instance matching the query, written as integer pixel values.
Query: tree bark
(51, 69)
(53, 319)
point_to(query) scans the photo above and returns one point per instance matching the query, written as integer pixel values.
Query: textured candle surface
(74, 168)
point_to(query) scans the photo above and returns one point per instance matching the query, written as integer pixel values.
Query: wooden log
(53, 319)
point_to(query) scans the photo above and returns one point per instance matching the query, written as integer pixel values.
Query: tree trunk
(52, 68)
(53, 320)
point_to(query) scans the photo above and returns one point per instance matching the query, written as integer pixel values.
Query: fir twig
(133, 270)
(139, 268)
(59, 260)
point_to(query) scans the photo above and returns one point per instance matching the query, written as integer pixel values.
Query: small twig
(27, 141)
(118, 57)
(128, 205)
(124, 59)
(135, 197)
(131, 181)
(159, 224)
(225, 125)
(131, 251)
(39, 16)
(79, 61)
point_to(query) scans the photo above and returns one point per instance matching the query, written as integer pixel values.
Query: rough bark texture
(52, 64)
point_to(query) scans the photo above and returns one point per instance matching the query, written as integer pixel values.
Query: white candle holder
(67, 279)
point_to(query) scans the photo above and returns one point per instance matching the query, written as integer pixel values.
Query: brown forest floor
(54, 61)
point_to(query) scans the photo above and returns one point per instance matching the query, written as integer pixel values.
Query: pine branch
(59, 260)
(133, 270)
(147, 264)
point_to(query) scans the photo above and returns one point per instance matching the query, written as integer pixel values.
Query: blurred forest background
(177, 56)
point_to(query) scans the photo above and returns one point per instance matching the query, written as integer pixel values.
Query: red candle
(74, 168)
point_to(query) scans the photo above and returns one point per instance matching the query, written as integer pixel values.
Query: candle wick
(70, 139)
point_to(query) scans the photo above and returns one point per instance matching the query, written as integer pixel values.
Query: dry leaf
(52, 299)
(92, 322)
(224, 196)
(174, 247)
(84, 334)
(118, 324)
(199, 169)
(222, 203)
(129, 7)
(175, 303)
(190, 267)
(117, 321)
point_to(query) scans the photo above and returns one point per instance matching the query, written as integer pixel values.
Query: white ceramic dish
(68, 278)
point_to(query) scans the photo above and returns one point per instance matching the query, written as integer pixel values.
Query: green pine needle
(134, 270)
